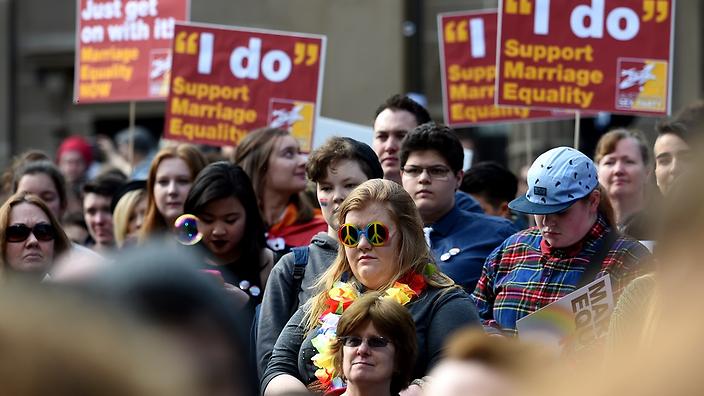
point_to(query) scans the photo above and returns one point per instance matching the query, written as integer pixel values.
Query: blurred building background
(375, 48)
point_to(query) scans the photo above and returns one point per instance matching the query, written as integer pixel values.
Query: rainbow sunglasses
(376, 232)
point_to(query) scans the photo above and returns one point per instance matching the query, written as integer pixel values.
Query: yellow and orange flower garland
(340, 297)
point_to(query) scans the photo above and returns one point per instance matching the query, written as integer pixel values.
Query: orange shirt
(292, 233)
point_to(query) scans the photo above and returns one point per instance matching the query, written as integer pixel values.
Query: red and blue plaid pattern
(524, 274)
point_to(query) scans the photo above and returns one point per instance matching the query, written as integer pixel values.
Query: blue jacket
(467, 203)
(461, 241)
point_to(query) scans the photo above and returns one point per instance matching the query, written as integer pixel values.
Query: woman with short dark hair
(376, 346)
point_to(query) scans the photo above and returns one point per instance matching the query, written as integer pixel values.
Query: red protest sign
(468, 70)
(226, 82)
(588, 55)
(123, 49)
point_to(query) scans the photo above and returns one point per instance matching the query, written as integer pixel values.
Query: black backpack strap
(597, 260)
(300, 260)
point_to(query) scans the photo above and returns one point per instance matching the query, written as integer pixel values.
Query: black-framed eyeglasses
(372, 342)
(20, 232)
(437, 172)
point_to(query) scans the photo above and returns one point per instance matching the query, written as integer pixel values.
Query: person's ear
(594, 199)
(458, 179)
(504, 211)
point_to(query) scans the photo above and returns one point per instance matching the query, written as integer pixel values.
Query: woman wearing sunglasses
(30, 236)
(376, 347)
(382, 249)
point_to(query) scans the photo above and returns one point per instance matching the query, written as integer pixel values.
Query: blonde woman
(129, 206)
(382, 248)
(30, 237)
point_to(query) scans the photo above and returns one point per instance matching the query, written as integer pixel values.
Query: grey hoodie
(278, 302)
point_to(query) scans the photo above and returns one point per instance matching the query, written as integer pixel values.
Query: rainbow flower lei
(341, 296)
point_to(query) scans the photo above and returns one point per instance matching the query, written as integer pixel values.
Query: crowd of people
(354, 270)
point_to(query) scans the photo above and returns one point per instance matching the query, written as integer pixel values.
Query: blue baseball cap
(558, 178)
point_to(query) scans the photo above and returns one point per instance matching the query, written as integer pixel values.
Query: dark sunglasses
(372, 342)
(376, 233)
(20, 232)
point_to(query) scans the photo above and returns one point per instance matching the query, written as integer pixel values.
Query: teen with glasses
(30, 237)
(393, 120)
(382, 244)
(431, 171)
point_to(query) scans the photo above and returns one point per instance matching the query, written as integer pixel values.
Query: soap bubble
(187, 230)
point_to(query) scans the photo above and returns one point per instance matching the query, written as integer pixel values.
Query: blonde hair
(503, 354)
(61, 241)
(124, 212)
(413, 254)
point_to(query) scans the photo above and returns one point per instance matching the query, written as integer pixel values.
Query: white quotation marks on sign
(476, 32)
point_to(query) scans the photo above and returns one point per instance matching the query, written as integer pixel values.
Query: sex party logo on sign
(123, 49)
(226, 82)
(468, 67)
(596, 55)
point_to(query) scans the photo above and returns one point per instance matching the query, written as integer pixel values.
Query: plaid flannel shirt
(524, 274)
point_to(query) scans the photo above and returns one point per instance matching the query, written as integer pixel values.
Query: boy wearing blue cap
(574, 242)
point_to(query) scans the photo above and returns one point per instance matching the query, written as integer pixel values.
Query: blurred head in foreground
(480, 365)
(159, 286)
(56, 344)
(669, 353)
